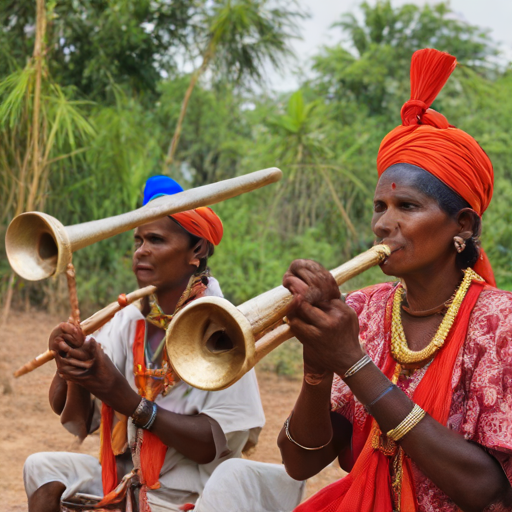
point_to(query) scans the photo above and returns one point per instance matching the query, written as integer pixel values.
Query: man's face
(163, 254)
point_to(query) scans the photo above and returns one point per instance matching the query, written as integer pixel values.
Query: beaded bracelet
(410, 421)
(356, 367)
(290, 438)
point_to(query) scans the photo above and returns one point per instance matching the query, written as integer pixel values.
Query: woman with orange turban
(409, 384)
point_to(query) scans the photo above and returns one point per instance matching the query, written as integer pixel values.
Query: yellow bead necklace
(399, 348)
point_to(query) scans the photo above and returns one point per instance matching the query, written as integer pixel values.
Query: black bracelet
(143, 414)
(152, 419)
(382, 395)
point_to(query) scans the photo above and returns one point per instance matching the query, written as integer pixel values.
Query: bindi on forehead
(393, 186)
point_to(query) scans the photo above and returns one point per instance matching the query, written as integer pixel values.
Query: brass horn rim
(189, 352)
(48, 256)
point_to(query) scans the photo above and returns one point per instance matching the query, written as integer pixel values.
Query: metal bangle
(290, 438)
(152, 419)
(382, 395)
(410, 421)
(143, 413)
(356, 367)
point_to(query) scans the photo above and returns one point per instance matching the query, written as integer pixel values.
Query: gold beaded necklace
(399, 348)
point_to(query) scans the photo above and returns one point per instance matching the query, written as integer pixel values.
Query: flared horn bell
(211, 343)
(39, 246)
(214, 343)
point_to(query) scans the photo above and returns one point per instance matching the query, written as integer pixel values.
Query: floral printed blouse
(481, 408)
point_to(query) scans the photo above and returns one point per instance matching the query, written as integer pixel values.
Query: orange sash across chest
(152, 450)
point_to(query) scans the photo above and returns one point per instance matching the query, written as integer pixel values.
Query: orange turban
(202, 222)
(426, 139)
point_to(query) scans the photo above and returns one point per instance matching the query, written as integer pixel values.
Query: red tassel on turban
(426, 139)
(202, 222)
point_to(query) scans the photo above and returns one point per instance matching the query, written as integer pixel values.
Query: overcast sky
(493, 14)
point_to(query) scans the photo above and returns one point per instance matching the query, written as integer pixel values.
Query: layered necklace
(399, 347)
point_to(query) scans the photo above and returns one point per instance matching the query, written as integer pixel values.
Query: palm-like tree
(371, 65)
(241, 37)
(303, 150)
(39, 126)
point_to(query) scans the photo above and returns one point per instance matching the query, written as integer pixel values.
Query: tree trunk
(38, 61)
(184, 105)
(32, 142)
(339, 204)
(8, 300)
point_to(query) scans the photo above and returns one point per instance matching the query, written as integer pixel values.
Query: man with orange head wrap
(412, 386)
(154, 426)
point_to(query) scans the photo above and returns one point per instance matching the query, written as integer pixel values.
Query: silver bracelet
(290, 438)
(356, 367)
(152, 418)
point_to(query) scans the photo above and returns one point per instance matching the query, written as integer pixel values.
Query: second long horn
(39, 246)
(211, 343)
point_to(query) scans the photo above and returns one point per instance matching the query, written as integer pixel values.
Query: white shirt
(237, 409)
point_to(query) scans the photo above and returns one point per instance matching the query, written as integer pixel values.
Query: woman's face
(163, 256)
(419, 232)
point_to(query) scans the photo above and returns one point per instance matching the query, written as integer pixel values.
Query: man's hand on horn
(327, 328)
(82, 361)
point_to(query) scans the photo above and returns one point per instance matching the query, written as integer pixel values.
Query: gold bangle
(357, 366)
(290, 438)
(410, 421)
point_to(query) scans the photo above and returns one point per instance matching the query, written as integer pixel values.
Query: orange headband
(202, 222)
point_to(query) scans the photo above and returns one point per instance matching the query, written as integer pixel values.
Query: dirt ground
(29, 425)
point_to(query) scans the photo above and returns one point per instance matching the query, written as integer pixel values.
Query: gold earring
(460, 243)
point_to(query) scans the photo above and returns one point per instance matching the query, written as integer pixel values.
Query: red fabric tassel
(152, 456)
(430, 69)
(484, 269)
(107, 458)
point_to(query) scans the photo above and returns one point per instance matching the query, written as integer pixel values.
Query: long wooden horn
(211, 343)
(90, 325)
(39, 246)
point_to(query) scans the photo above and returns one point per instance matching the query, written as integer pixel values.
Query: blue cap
(157, 186)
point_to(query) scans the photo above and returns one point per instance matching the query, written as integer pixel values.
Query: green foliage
(213, 135)
(96, 43)
(371, 66)
(243, 34)
(112, 97)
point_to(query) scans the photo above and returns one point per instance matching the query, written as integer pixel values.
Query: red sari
(481, 382)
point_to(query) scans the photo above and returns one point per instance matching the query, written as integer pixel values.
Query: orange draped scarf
(152, 450)
(426, 139)
(367, 488)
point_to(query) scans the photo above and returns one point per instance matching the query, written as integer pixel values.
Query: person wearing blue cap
(172, 435)
(158, 186)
